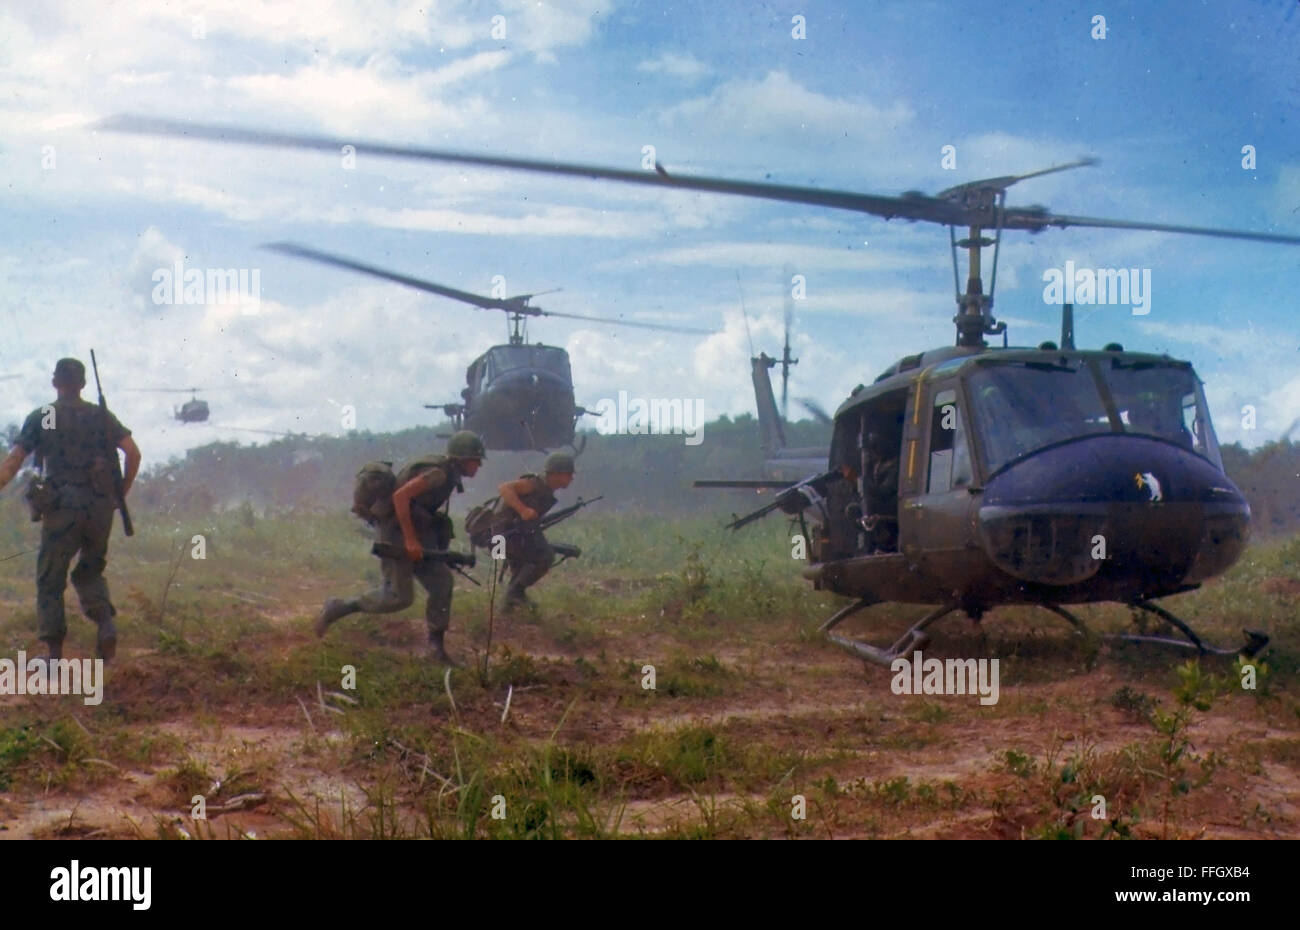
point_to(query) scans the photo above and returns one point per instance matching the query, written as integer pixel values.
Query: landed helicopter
(518, 396)
(780, 460)
(1050, 476)
(191, 411)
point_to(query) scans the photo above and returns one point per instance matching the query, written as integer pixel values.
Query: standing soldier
(528, 555)
(73, 440)
(411, 520)
(881, 492)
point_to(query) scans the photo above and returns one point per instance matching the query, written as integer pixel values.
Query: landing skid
(1256, 641)
(916, 638)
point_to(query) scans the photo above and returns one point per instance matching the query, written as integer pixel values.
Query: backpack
(419, 466)
(372, 491)
(479, 522)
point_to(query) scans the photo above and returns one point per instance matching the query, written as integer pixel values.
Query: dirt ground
(750, 731)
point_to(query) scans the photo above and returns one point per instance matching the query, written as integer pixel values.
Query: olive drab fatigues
(528, 555)
(71, 443)
(434, 530)
(882, 501)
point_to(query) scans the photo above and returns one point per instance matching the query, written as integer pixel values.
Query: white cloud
(673, 64)
(778, 105)
(541, 221)
(380, 93)
(778, 255)
(542, 27)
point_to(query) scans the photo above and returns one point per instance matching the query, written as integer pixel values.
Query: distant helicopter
(518, 396)
(1049, 476)
(192, 411)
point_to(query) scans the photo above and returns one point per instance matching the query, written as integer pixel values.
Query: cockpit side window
(950, 465)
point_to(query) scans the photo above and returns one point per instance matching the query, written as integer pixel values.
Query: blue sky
(865, 102)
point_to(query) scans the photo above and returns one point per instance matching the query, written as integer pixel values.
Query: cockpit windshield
(1022, 406)
(1162, 399)
(508, 358)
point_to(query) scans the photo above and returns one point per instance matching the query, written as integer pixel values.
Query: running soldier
(411, 519)
(523, 501)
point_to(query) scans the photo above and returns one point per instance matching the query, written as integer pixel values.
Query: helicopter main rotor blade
(845, 200)
(1038, 222)
(517, 304)
(664, 327)
(1002, 183)
(914, 206)
(339, 261)
(817, 410)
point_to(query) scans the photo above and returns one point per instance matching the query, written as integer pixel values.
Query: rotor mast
(518, 335)
(974, 317)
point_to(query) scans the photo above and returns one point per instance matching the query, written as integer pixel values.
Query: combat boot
(106, 641)
(334, 609)
(517, 602)
(438, 652)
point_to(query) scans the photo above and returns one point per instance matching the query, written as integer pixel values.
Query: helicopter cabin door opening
(941, 499)
(863, 516)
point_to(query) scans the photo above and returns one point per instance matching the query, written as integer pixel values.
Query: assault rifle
(795, 499)
(541, 523)
(118, 497)
(548, 521)
(456, 561)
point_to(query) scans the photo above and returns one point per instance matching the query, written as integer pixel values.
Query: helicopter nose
(1146, 516)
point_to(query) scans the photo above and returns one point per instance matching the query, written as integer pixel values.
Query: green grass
(227, 637)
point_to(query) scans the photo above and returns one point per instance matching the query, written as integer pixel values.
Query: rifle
(794, 499)
(456, 561)
(548, 521)
(127, 527)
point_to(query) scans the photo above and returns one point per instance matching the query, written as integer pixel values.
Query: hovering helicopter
(518, 396)
(1051, 476)
(191, 411)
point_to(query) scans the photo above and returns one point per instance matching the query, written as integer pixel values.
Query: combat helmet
(559, 462)
(466, 445)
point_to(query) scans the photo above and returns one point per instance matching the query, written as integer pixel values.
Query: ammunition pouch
(437, 523)
(41, 498)
(443, 529)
